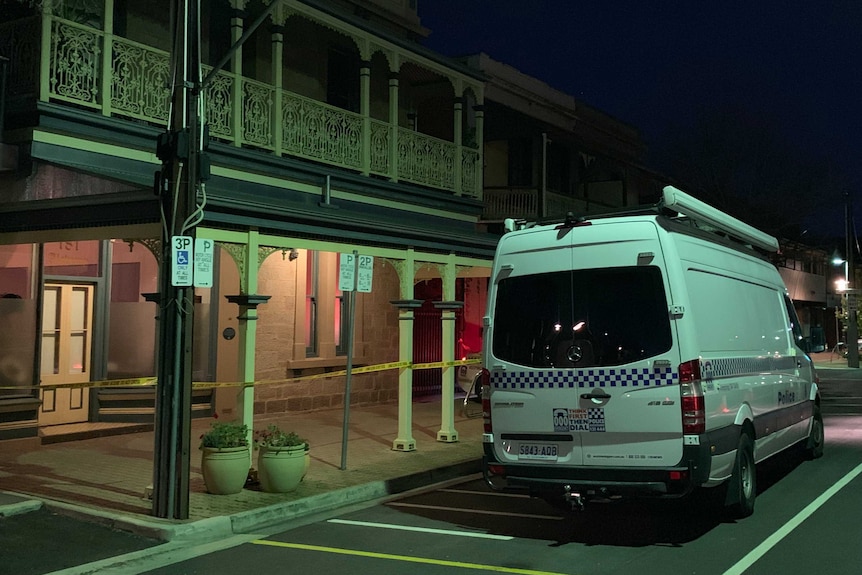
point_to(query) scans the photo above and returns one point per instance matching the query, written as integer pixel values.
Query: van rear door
(587, 350)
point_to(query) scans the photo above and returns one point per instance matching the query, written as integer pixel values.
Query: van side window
(795, 326)
(734, 316)
(582, 318)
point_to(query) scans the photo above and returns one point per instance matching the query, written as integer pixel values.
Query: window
(341, 316)
(327, 308)
(76, 258)
(795, 325)
(311, 276)
(582, 318)
(755, 325)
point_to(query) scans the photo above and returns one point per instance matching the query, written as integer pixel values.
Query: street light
(841, 284)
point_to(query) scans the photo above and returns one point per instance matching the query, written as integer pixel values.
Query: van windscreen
(581, 318)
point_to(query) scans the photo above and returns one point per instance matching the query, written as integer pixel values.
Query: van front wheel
(743, 484)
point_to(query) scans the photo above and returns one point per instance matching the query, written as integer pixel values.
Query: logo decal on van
(584, 378)
(591, 419)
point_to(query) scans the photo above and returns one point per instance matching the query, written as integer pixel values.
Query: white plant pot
(225, 470)
(280, 469)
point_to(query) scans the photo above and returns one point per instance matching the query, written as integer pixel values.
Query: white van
(642, 354)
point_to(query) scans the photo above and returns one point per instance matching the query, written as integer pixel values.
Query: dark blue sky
(657, 63)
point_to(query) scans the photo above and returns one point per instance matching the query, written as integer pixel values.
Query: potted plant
(225, 457)
(282, 459)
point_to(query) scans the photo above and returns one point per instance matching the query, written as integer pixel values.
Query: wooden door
(67, 320)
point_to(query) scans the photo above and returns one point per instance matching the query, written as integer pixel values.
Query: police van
(646, 353)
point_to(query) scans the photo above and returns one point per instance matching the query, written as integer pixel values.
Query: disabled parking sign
(181, 260)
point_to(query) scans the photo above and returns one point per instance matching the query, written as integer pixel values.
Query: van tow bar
(574, 499)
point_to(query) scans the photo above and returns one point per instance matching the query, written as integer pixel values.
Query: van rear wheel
(814, 444)
(742, 489)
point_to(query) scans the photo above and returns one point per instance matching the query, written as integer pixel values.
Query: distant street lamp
(841, 284)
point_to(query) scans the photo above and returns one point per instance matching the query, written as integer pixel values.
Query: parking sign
(346, 272)
(366, 269)
(204, 250)
(181, 260)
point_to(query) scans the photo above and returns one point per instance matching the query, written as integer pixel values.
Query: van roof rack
(703, 214)
(674, 203)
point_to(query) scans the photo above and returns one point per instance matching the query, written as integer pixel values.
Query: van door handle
(595, 396)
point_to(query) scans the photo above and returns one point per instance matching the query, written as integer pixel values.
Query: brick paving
(111, 474)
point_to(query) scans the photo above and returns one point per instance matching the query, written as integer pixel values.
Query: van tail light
(689, 371)
(693, 408)
(485, 379)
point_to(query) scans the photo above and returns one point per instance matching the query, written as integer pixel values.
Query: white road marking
(477, 511)
(785, 530)
(486, 493)
(422, 529)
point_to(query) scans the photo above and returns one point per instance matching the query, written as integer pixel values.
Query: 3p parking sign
(181, 260)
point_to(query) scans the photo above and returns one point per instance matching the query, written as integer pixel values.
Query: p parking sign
(203, 262)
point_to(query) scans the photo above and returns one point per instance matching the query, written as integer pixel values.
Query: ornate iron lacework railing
(132, 80)
(321, 132)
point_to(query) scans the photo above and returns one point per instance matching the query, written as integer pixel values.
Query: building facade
(331, 130)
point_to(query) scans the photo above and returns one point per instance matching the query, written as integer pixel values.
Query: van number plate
(542, 451)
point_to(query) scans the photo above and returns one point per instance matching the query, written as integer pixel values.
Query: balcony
(58, 60)
(523, 203)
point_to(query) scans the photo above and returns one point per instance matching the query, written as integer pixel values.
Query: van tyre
(814, 444)
(742, 489)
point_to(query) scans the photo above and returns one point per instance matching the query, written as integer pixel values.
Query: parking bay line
(785, 530)
(486, 493)
(477, 511)
(406, 558)
(422, 529)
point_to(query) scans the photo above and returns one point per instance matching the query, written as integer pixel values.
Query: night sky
(657, 64)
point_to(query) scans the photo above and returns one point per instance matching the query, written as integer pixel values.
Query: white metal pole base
(447, 436)
(404, 445)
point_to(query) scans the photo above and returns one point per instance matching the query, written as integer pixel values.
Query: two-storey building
(330, 130)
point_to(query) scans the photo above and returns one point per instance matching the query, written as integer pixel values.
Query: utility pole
(177, 185)
(184, 167)
(852, 298)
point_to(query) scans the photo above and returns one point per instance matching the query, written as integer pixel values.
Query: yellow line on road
(407, 558)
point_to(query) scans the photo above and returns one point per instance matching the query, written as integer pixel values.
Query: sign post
(355, 273)
(852, 288)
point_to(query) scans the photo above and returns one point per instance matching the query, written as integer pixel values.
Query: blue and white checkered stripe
(734, 366)
(637, 377)
(585, 378)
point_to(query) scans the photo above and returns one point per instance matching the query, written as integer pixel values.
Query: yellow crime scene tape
(151, 381)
